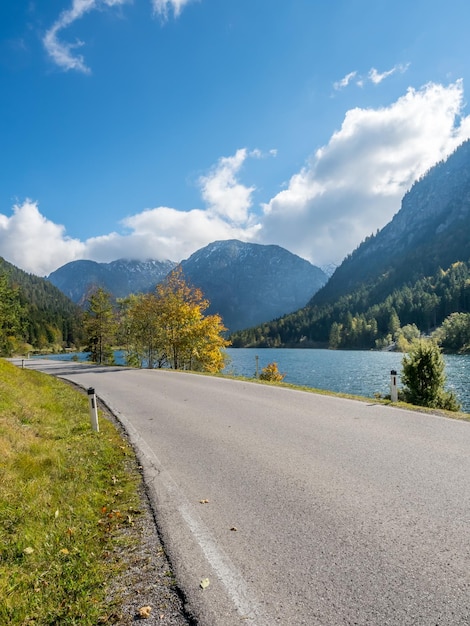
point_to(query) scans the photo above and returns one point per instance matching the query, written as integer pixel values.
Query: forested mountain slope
(431, 231)
(414, 271)
(49, 317)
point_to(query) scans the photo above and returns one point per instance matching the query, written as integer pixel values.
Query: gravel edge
(146, 591)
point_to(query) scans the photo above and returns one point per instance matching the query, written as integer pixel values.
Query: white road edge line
(235, 585)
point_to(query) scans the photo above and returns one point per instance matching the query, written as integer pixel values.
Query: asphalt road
(298, 508)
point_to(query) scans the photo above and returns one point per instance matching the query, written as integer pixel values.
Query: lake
(357, 372)
(362, 373)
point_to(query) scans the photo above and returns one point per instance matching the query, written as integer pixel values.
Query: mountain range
(416, 270)
(245, 283)
(120, 278)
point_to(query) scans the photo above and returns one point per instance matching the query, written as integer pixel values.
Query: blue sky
(150, 128)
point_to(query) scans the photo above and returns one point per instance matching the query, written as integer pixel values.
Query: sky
(147, 129)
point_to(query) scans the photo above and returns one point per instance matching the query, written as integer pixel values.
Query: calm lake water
(362, 373)
(356, 372)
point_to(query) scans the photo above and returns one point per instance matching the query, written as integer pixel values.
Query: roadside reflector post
(93, 409)
(393, 386)
(257, 366)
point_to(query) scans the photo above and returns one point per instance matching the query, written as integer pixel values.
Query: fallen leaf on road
(145, 611)
(205, 582)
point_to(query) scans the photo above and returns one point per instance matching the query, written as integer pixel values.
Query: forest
(35, 315)
(358, 321)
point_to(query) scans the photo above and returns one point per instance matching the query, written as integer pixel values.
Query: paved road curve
(321, 511)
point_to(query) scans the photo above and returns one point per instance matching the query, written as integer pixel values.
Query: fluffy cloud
(64, 54)
(354, 184)
(225, 196)
(34, 243)
(346, 190)
(30, 241)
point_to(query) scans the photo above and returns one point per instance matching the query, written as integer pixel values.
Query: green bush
(424, 378)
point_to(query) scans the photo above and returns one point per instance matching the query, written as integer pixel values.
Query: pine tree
(100, 326)
(11, 313)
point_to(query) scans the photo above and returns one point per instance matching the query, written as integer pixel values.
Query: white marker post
(93, 410)
(393, 386)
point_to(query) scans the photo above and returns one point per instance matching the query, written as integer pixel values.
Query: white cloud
(344, 82)
(377, 77)
(64, 53)
(354, 184)
(162, 6)
(373, 76)
(347, 189)
(34, 243)
(167, 233)
(224, 195)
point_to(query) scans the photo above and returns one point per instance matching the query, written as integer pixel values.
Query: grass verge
(66, 494)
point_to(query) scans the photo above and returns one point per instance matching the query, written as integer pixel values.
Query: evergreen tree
(100, 326)
(424, 378)
(11, 313)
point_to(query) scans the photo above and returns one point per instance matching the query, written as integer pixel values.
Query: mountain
(416, 270)
(249, 283)
(431, 231)
(245, 283)
(122, 277)
(49, 316)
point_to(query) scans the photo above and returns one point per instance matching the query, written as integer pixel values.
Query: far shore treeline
(36, 317)
(437, 306)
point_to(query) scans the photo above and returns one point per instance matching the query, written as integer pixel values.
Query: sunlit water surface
(355, 372)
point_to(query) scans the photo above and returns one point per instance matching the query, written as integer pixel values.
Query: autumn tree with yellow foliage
(168, 328)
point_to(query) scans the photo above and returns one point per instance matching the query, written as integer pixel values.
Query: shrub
(424, 378)
(271, 373)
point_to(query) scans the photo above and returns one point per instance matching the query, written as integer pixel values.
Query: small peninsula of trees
(164, 328)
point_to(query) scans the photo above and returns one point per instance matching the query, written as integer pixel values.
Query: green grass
(66, 493)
